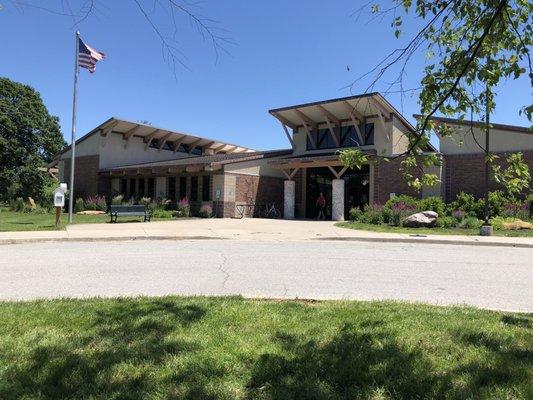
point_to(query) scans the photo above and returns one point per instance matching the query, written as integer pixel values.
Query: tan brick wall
(466, 172)
(85, 176)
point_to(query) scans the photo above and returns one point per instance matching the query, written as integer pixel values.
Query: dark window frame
(182, 187)
(194, 188)
(206, 188)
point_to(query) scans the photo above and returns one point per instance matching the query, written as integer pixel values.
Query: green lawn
(17, 221)
(230, 348)
(429, 231)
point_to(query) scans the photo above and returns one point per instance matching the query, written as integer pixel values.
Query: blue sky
(285, 53)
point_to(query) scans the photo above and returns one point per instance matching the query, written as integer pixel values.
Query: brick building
(138, 160)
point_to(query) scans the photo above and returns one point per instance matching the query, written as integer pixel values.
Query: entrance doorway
(318, 180)
(356, 189)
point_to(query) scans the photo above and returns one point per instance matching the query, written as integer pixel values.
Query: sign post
(59, 202)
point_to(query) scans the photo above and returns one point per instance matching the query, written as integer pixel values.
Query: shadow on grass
(115, 358)
(358, 363)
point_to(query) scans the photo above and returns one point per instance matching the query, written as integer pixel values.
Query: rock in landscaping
(424, 219)
(90, 212)
(32, 203)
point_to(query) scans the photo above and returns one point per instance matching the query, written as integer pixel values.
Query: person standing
(321, 205)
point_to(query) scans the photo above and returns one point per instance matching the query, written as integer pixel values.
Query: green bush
(355, 214)
(446, 222)
(432, 203)
(17, 205)
(408, 201)
(183, 209)
(372, 214)
(470, 223)
(497, 223)
(79, 205)
(464, 202)
(96, 203)
(160, 213)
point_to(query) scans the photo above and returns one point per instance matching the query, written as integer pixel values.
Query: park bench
(116, 211)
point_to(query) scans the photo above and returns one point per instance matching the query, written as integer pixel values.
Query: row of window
(184, 148)
(176, 187)
(347, 137)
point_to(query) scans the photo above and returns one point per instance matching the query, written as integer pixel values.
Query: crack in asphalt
(220, 267)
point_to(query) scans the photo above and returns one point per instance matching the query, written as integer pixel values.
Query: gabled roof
(212, 161)
(148, 132)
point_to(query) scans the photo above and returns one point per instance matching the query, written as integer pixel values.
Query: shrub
(399, 212)
(464, 202)
(355, 214)
(160, 213)
(79, 205)
(145, 201)
(432, 203)
(516, 210)
(117, 200)
(407, 201)
(459, 215)
(17, 204)
(470, 223)
(96, 203)
(372, 214)
(497, 223)
(183, 208)
(446, 222)
(163, 204)
(206, 211)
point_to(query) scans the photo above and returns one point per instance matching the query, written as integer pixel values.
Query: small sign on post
(59, 202)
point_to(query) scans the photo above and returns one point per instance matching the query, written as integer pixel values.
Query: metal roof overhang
(344, 109)
(310, 161)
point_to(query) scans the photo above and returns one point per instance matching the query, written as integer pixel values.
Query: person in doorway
(321, 205)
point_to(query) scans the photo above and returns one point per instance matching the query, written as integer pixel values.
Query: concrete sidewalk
(247, 229)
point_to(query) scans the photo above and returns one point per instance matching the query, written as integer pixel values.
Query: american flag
(88, 57)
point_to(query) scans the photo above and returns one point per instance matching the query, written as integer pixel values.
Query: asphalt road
(487, 277)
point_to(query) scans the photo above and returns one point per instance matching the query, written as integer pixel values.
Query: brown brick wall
(466, 172)
(252, 189)
(389, 179)
(85, 175)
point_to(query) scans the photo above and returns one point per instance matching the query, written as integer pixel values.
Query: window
(184, 148)
(171, 183)
(123, 187)
(183, 187)
(322, 139)
(206, 188)
(369, 134)
(141, 188)
(348, 137)
(132, 187)
(151, 188)
(194, 188)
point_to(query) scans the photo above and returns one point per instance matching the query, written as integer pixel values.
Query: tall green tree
(29, 138)
(470, 47)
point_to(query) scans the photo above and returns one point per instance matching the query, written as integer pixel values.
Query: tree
(29, 138)
(470, 46)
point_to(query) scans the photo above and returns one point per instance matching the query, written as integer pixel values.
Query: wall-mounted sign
(217, 194)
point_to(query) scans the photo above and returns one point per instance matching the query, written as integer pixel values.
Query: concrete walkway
(248, 229)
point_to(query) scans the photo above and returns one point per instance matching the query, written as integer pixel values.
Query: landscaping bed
(230, 348)
(508, 216)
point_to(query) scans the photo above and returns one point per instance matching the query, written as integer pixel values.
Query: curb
(420, 240)
(104, 239)
(427, 240)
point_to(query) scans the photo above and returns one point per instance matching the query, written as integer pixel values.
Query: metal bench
(116, 211)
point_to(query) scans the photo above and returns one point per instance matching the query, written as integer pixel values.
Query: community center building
(140, 160)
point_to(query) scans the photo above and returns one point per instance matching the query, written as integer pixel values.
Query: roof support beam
(338, 174)
(194, 145)
(149, 138)
(231, 150)
(128, 134)
(284, 120)
(290, 174)
(219, 148)
(108, 128)
(305, 121)
(356, 118)
(163, 140)
(288, 135)
(329, 118)
(176, 145)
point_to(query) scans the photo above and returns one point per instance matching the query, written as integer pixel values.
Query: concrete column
(289, 190)
(337, 200)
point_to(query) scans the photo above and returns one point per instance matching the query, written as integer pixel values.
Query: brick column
(289, 190)
(337, 200)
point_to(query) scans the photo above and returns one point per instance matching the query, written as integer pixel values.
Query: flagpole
(73, 139)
